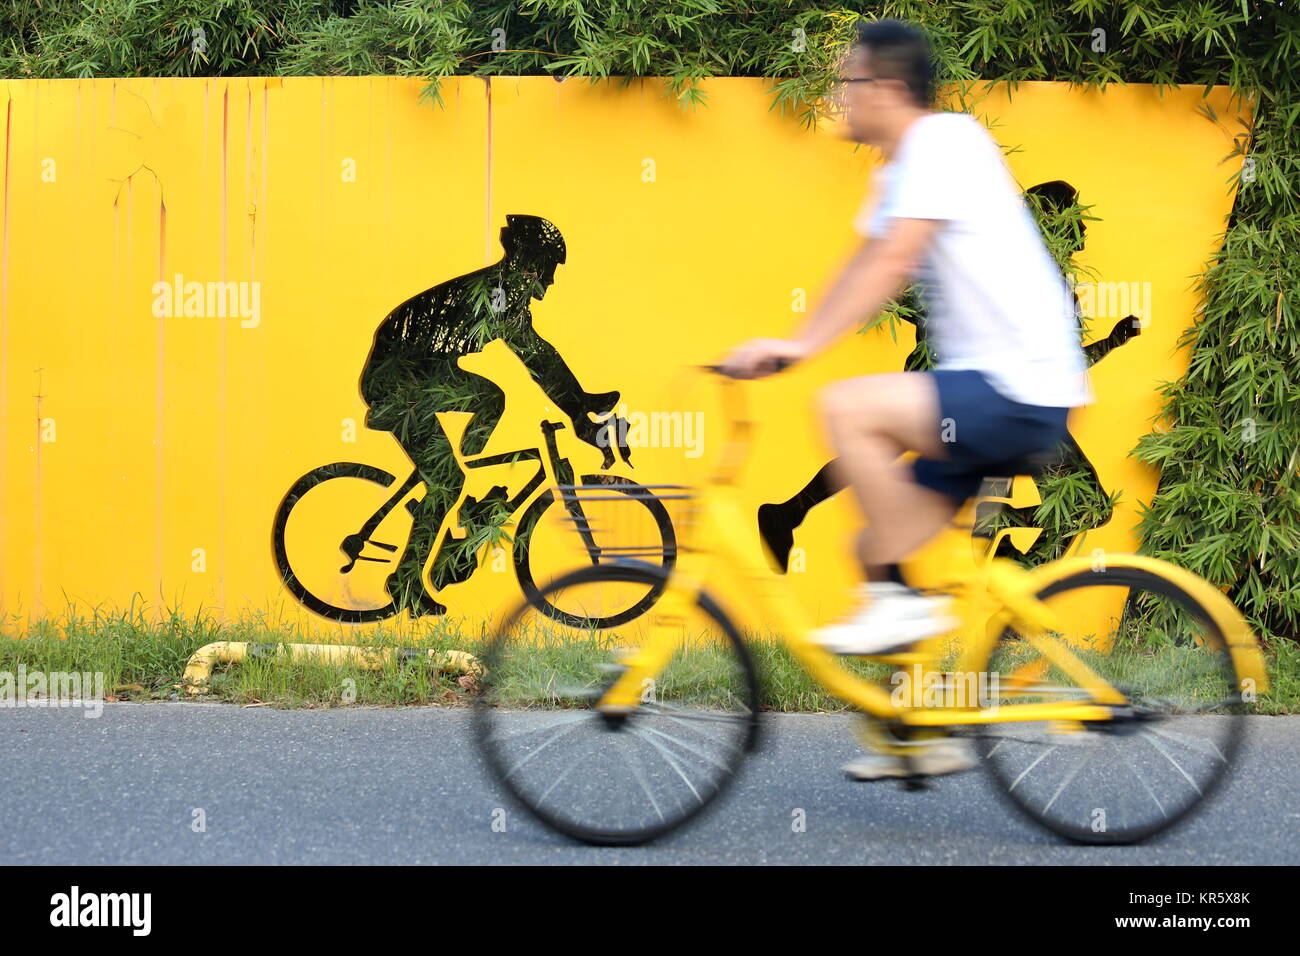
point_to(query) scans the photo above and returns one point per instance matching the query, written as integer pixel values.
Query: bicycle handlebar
(781, 365)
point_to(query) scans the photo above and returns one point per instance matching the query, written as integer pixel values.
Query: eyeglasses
(840, 88)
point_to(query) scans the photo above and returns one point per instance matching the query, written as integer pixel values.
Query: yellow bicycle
(1103, 734)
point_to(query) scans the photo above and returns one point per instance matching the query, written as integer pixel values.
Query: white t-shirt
(995, 299)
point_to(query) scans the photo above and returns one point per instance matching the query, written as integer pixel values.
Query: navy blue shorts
(983, 432)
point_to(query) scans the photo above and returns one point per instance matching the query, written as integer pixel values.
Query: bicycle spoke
(609, 778)
(1151, 739)
(687, 747)
(685, 717)
(1084, 757)
(1206, 747)
(1143, 780)
(1024, 773)
(645, 786)
(669, 759)
(502, 735)
(558, 780)
(520, 764)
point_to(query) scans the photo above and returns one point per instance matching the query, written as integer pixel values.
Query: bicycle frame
(552, 469)
(722, 519)
(999, 595)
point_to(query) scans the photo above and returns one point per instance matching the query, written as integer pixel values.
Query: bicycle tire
(488, 716)
(1080, 830)
(283, 566)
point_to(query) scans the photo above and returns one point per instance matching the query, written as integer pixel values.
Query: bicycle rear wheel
(609, 781)
(1126, 779)
(323, 506)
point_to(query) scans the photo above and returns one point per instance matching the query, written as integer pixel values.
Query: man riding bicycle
(413, 372)
(1010, 365)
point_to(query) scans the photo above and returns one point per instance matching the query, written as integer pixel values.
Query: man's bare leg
(872, 421)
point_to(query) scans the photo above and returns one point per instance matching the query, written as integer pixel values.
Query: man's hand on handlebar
(759, 357)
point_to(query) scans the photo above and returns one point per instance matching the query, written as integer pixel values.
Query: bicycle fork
(647, 661)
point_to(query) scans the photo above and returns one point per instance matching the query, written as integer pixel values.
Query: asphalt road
(364, 786)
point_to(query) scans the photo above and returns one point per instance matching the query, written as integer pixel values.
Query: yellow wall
(171, 434)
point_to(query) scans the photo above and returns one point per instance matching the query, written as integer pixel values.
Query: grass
(143, 657)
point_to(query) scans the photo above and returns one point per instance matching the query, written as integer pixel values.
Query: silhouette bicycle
(413, 377)
(528, 505)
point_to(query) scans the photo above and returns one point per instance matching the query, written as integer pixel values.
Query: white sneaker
(932, 759)
(895, 616)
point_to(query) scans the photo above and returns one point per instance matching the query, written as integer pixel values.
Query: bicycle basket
(611, 518)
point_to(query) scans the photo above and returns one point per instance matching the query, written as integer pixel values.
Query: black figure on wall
(778, 521)
(411, 376)
(412, 373)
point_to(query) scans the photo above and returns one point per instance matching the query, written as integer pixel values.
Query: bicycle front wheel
(1164, 753)
(604, 781)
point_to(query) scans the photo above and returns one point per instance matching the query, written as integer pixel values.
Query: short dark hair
(899, 51)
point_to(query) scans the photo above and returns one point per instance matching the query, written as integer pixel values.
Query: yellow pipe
(198, 671)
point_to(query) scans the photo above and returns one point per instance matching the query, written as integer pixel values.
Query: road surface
(218, 784)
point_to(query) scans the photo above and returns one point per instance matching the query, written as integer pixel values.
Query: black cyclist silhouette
(777, 521)
(412, 372)
(411, 376)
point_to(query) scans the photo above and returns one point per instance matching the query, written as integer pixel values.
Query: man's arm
(549, 370)
(1124, 330)
(552, 373)
(876, 273)
(872, 276)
